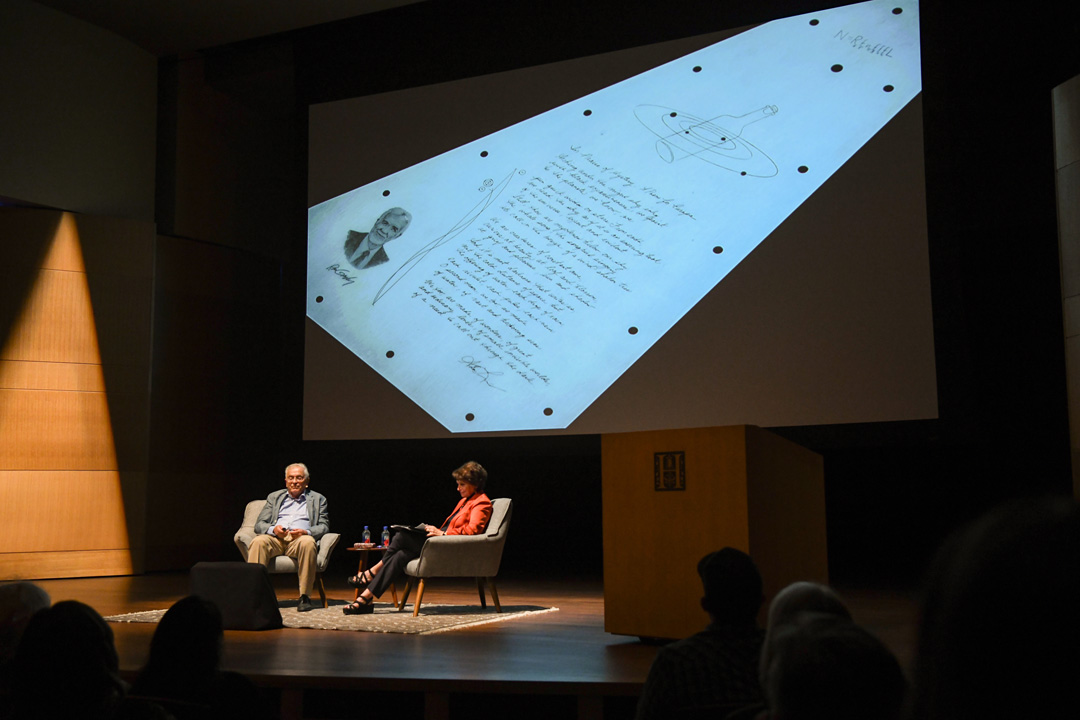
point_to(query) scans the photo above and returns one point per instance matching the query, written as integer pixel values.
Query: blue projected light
(506, 284)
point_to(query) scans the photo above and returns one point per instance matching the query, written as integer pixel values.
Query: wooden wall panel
(57, 322)
(55, 430)
(62, 510)
(208, 536)
(66, 491)
(66, 563)
(23, 375)
(221, 413)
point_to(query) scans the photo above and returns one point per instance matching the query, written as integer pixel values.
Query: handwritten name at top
(860, 42)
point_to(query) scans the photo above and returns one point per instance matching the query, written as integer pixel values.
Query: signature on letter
(343, 274)
(480, 371)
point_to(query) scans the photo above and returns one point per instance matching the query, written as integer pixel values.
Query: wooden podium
(672, 496)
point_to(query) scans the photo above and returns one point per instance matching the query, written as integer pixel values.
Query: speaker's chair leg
(419, 598)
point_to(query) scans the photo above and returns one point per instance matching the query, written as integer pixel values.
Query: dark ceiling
(170, 27)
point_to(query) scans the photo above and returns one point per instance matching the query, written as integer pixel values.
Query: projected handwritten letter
(506, 284)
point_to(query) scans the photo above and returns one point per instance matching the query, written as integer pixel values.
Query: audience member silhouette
(18, 603)
(66, 666)
(182, 673)
(825, 667)
(715, 670)
(998, 632)
(790, 604)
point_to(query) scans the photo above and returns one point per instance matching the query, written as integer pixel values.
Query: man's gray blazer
(318, 515)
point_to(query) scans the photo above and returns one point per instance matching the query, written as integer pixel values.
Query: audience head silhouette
(732, 584)
(714, 671)
(18, 603)
(184, 652)
(998, 633)
(182, 674)
(791, 603)
(825, 667)
(66, 665)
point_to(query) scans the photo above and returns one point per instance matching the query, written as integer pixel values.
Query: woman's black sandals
(360, 581)
(360, 607)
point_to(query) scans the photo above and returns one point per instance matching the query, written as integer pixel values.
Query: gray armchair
(462, 556)
(283, 564)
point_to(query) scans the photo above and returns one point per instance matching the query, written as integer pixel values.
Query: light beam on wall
(60, 482)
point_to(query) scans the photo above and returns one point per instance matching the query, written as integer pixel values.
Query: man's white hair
(307, 475)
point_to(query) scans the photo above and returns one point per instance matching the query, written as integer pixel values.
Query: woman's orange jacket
(470, 516)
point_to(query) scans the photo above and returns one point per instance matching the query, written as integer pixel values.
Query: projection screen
(728, 229)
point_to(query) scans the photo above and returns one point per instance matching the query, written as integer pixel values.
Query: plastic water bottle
(366, 535)
(385, 536)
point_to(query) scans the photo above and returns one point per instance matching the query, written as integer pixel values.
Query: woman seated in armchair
(470, 517)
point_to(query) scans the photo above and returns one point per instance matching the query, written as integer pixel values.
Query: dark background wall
(225, 415)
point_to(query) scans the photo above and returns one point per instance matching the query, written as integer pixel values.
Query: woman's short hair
(473, 473)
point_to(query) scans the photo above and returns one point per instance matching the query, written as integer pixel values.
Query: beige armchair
(463, 556)
(283, 564)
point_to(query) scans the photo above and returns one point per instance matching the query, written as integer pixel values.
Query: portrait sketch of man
(365, 250)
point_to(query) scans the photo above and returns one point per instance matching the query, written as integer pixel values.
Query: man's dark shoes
(304, 604)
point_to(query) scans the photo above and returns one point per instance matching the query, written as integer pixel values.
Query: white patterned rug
(385, 619)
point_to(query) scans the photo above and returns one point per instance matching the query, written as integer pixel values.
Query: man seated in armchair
(291, 523)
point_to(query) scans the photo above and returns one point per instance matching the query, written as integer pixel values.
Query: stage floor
(560, 664)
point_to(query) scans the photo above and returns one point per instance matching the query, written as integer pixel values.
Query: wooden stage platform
(554, 665)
